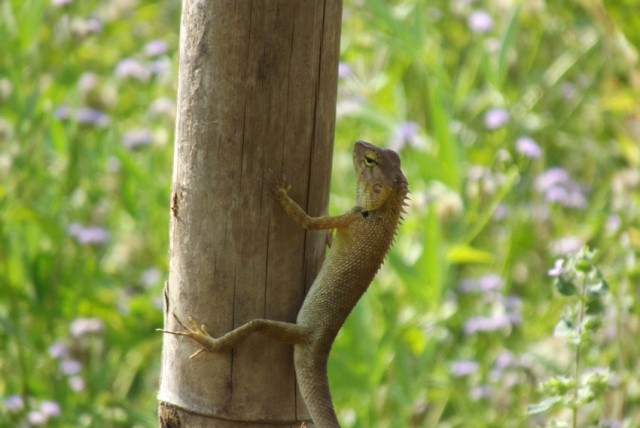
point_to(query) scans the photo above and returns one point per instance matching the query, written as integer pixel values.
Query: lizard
(363, 237)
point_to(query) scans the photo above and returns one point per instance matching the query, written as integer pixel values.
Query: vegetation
(517, 123)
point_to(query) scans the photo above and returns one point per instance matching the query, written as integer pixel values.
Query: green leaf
(595, 306)
(466, 254)
(565, 286)
(508, 40)
(543, 406)
(626, 15)
(599, 288)
(448, 150)
(558, 386)
(592, 323)
(584, 266)
(566, 329)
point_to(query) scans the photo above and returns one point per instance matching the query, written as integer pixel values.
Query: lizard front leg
(281, 189)
(283, 331)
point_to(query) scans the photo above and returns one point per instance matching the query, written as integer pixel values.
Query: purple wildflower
(343, 70)
(461, 368)
(50, 409)
(93, 25)
(480, 21)
(132, 68)
(87, 81)
(70, 367)
(62, 112)
(566, 245)
(13, 403)
(160, 67)
(404, 134)
(556, 186)
(486, 283)
(137, 138)
(568, 91)
(158, 302)
(551, 177)
(528, 147)
(571, 198)
(58, 350)
(513, 307)
(557, 269)
(495, 118)
(156, 48)
(88, 234)
(36, 418)
(501, 212)
(61, 3)
(482, 324)
(613, 223)
(479, 392)
(91, 116)
(163, 107)
(349, 106)
(83, 326)
(150, 277)
(76, 383)
(504, 360)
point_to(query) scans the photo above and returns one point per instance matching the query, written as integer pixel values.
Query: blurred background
(518, 125)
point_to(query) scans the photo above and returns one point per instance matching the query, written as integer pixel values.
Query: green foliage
(582, 282)
(519, 140)
(625, 15)
(83, 209)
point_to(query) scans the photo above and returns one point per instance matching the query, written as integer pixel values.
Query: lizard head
(378, 175)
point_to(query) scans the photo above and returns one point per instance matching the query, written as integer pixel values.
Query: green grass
(84, 217)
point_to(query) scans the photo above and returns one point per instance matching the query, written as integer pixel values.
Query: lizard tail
(311, 371)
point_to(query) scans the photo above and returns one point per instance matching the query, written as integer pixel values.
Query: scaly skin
(364, 234)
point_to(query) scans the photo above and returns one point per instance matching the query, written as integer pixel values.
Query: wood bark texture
(256, 97)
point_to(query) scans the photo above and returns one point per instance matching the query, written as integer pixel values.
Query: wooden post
(256, 97)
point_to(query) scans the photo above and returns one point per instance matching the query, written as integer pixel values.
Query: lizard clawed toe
(279, 185)
(195, 354)
(192, 330)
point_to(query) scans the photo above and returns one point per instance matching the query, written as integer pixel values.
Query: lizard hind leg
(283, 331)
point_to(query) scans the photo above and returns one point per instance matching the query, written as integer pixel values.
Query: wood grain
(256, 97)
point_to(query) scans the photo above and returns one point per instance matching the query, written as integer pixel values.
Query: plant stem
(576, 374)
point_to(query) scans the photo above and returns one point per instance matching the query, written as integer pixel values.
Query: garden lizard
(363, 237)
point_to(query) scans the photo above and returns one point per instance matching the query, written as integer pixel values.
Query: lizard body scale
(364, 234)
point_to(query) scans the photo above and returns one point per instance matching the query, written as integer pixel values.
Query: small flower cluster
(42, 412)
(137, 138)
(60, 351)
(142, 70)
(501, 312)
(406, 133)
(557, 186)
(495, 118)
(88, 235)
(83, 115)
(527, 146)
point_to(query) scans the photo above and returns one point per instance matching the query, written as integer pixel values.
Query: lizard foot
(280, 186)
(196, 332)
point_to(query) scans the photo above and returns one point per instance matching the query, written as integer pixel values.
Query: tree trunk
(256, 98)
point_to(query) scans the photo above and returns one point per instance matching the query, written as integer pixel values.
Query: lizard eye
(370, 159)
